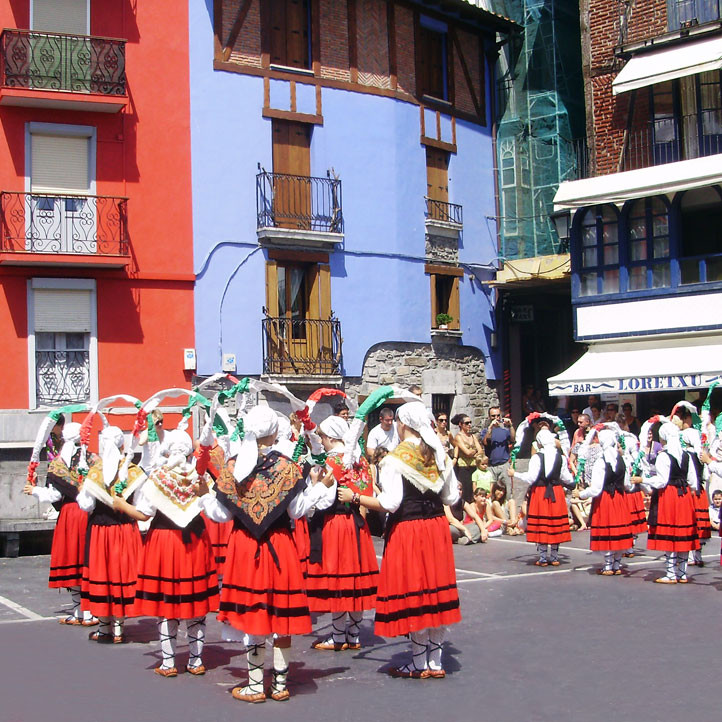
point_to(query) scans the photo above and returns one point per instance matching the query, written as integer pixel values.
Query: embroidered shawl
(357, 478)
(95, 484)
(171, 492)
(262, 498)
(407, 460)
(67, 481)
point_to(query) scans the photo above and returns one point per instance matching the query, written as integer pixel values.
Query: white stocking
(681, 566)
(608, 561)
(671, 563)
(281, 657)
(256, 655)
(419, 643)
(542, 551)
(118, 624)
(554, 555)
(436, 640)
(75, 596)
(196, 631)
(103, 627)
(354, 627)
(617, 560)
(168, 631)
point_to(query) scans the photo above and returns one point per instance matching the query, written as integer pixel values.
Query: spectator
(498, 439)
(470, 533)
(442, 431)
(416, 389)
(632, 421)
(610, 412)
(503, 510)
(467, 449)
(714, 509)
(591, 399)
(527, 400)
(579, 510)
(340, 409)
(482, 478)
(595, 413)
(383, 434)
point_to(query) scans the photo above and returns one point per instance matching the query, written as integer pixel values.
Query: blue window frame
(685, 13)
(599, 253)
(648, 249)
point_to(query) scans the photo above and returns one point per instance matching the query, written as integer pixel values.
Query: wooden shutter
(62, 310)
(432, 63)
(277, 32)
(61, 16)
(437, 174)
(292, 157)
(59, 163)
(297, 34)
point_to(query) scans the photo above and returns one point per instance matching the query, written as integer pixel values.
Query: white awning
(642, 366)
(669, 63)
(641, 183)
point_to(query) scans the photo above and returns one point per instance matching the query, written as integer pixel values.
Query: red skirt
(111, 569)
(675, 529)
(547, 521)
(611, 523)
(346, 578)
(635, 504)
(218, 533)
(417, 582)
(67, 553)
(701, 504)
(303, 543)
(176, 580)
(259, 597)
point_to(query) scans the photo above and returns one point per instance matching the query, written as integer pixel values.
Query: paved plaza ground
(535, 645)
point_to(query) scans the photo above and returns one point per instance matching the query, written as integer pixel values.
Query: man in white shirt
(384, 434)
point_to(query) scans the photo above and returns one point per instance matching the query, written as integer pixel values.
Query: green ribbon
(637, 463)
(70, 409)
(138, 404)
(374, 401)
(219, 426)
(513, 455)
(152, 432)
(319, 459)
(120, 487)
(580, 470)
(238, 432)
(195, 399)
(240, 388)
(299, 449)
(708, 401)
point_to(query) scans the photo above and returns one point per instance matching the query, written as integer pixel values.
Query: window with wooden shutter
(291, 174)
(287, 33)
(432, 56)
(61, 16)
(59, 162)
(445, 295)
(437, 184)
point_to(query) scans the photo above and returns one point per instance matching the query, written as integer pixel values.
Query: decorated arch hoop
(557, 426)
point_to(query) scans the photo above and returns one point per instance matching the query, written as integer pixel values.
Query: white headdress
(414, 415)
(608, 442)
(334, 427)
(177, 446)
(669, 433)
(259, 422)
(111, 441)
(71, 442)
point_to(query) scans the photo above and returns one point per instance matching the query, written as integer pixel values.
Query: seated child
(482, 478)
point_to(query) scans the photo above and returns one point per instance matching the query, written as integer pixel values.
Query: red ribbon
(305, 419)
(31, 473)
(141, 422)
(203, 456)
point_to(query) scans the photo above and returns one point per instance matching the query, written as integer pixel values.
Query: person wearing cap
(610, 518)
(417, 595)
(342, 572)
(114, 544)
(177, 574)
(263, 592)
(62, 485)
(547, 514)
(672, 522)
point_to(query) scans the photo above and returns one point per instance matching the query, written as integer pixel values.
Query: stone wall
(440, 249)
(441, 367)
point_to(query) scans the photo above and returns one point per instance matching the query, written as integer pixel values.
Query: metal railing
(444, 211)
(299, 202)
(659, 142)
(700, 269)
(62, 376)
(73, 224)
(54, 61)
(302, 347)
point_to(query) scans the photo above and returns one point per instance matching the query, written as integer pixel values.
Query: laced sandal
(540, 563)
(329, 645)
(70, 620)
(433, 674)
(196, 671)
(166, 671)
(90, 622)
(682, 580)
(555, 563)
(101, 637)
(605, 572)
(119, 639)
(407, 672)
(278, 691)
(665, 580)
(250, 697)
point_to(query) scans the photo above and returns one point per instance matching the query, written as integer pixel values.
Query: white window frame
(87, 15)
(65, 284)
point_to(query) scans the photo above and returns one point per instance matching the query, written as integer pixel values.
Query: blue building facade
(344, 194)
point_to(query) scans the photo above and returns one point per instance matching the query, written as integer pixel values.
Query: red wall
(145, 313)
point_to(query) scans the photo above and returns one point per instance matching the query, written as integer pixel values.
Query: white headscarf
(334, 427)
(608, 442)
(692, 438)
(111, 443)
(546, 439)
(259, 422)
(71, 442)
(178, 446)
(414, 415)
(669, 433)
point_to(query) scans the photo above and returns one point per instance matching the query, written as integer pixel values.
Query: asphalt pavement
(535, 645)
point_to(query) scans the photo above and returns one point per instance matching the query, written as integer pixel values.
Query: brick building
(646, 211)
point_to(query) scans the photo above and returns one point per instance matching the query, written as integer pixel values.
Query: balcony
(64, 72)
(63, 230)
(659, 142)
(298, 210)
(443, 219)
(683, 14)
(304, 347)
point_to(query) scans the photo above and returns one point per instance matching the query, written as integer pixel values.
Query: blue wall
(379, 290)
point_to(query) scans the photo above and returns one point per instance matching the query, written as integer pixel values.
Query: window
(441, 404)
(61, 170)
(433, 56)
(61, 16)
(437, 184)
(287, 34)
(687, 13)
(599, 266)
(291, 173)
(445, 294)
(62, 342)
(700, 222)
(648, 248)
(300, 333)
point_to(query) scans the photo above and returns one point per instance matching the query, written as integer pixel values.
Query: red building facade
(96, 260)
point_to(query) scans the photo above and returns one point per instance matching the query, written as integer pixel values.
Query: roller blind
(60, 163)
(61, 16)
(62, 310)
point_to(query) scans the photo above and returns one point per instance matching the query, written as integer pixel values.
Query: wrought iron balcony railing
(301, 347)
(661, 141)
(62, 376)
(299, 202)
(443, 211)
(63, 224)
(54, 61)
